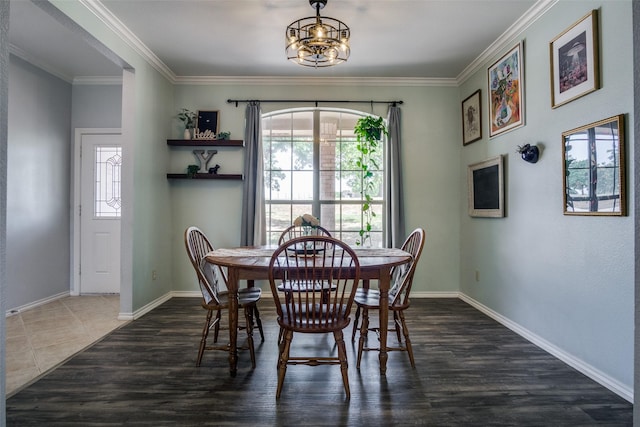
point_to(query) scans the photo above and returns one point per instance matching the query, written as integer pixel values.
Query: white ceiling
(245, 38)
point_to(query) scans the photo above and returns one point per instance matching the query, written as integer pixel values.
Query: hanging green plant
(369, 131)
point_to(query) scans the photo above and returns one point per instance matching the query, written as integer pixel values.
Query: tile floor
(39, 339)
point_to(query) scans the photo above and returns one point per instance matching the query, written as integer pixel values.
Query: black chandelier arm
(316, 101)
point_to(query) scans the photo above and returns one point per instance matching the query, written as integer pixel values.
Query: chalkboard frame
(486, 188)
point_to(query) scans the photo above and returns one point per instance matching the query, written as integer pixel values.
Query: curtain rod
(317, 101)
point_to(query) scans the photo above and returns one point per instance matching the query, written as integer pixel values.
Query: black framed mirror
(593, 159)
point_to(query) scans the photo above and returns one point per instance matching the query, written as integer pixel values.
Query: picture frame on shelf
(208, 123)
(506, 92)
(574, 58)
(471, 118)
(486, 188)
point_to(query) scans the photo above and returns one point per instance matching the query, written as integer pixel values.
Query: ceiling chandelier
(317, 41)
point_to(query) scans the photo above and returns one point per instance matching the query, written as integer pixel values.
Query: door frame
(74, 288)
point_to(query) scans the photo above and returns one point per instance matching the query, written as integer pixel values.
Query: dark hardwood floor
(470, 371)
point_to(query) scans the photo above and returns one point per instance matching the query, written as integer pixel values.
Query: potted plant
(369, 131)
(187, 117)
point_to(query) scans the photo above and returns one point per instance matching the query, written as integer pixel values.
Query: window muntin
(310, 168)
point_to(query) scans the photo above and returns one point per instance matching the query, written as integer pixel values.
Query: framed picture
(506, 92)
(593, 160)
(486, 188)
(574, 61)
(208, 121)
(471, 119)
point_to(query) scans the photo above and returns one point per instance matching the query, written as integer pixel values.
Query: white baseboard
(34, 304)
(417, 295)
(598, 376)
(145, 309)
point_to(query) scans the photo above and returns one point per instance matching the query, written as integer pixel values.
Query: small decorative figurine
(529, 153)
(214, 170)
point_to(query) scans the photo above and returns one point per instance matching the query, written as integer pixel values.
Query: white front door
(100, 208)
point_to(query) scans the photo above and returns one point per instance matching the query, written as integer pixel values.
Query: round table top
(258, 257)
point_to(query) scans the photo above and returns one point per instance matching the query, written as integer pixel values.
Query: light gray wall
(4, 84)
(146, 120)
(568, 280)
(431, 149)
(38, 184)
(636, 181)
(96, 106)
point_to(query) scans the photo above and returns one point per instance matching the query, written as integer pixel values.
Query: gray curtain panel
(394, 213)
(253, 217)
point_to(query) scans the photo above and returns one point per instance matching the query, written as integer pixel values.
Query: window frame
(316, 203)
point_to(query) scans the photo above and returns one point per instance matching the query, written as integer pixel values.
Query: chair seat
(371, 299)
(307, 318)
(246, 296)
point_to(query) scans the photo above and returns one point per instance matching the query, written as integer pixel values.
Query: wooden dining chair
(293, 232)
(369, 299)
(299, 231)
(214, 300)
(303, 309)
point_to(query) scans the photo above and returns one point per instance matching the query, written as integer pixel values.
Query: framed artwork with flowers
(506, 92)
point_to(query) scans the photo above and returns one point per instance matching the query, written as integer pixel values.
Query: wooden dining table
(252, 263)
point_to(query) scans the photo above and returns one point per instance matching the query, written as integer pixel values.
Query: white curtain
(253, 213)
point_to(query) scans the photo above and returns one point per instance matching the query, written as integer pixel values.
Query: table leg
(384, 283)
(232, 287)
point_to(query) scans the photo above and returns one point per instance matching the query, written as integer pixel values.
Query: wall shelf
(205, 142)
(205, 176)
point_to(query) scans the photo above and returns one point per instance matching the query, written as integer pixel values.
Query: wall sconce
(529, 153)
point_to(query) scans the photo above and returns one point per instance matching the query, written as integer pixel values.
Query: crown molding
(314, 81)
(81, 80)
(122, 31)
(517, 28)
(118, 27)
(97, 80)
(16, 51)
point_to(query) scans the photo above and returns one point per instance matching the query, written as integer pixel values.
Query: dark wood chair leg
(256, 312)
(249, 319)
(344, 366)
(364, 330)
(205, 334)
(282, 360)
(216, 329)
(397, 326)
(355, 324)
(407, 341)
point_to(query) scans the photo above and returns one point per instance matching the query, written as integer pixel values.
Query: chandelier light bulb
(319, 31)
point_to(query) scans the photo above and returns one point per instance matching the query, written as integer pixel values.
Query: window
(108, 163)
(310, 167)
